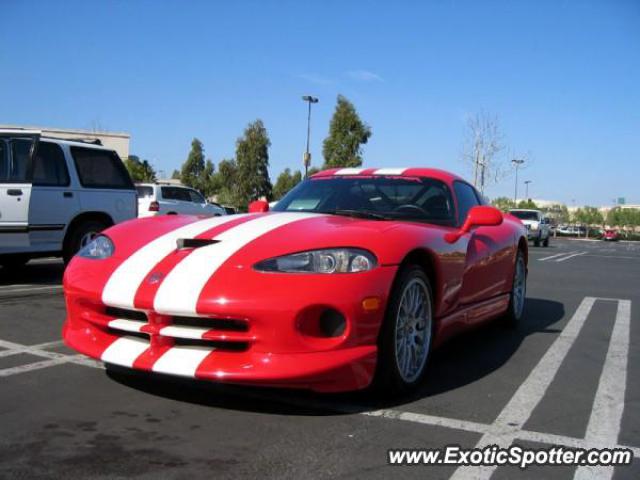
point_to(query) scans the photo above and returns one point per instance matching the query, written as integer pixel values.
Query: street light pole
(306, 158)
(526, 183)
(517, 164)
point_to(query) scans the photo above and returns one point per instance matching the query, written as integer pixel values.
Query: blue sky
(562, 77)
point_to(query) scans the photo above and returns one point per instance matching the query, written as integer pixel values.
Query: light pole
(306, 158)
(517, 164)
(526, 186)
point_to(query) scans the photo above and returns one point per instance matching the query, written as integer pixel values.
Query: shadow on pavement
(36, 272)
(461, 361)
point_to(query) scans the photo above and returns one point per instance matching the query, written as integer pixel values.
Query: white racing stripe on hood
(178, 294)
(389, 171)
(121, 287)
(348, 171)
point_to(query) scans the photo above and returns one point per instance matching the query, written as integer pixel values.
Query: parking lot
(565, 376)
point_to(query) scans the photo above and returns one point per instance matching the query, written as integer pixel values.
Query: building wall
(117, 141)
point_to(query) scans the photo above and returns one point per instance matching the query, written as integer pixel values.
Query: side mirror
(479, 216)
(259, 206)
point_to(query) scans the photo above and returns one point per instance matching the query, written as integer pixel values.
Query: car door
(54, 203)
(16, 153)
(488, 253)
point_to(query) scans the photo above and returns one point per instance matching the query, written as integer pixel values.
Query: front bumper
(269, 347)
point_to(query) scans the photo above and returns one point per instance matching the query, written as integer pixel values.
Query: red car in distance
(610, 236)
(352, 279)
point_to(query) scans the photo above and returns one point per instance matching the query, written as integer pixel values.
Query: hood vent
(194, 242)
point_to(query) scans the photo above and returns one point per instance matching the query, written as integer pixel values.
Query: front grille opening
(230, 325)
(123, 333)
(228, 346)
(126, 314)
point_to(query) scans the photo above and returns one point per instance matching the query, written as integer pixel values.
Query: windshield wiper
(357, 214)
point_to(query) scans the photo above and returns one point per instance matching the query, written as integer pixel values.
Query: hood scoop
(194, 242)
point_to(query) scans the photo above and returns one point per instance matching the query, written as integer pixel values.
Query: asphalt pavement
(564, 376)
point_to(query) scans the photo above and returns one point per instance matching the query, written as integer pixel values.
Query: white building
(118, 141)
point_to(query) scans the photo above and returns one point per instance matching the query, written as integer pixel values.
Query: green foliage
(227, 186)
(140, 171)
(503, 203)
(252, 162)
(313, 171)
(530, 204)
(624, 217)
(589, 216)
(347, 134)
(176, 175)
(558, 212)
(193, 168)
(285, 182)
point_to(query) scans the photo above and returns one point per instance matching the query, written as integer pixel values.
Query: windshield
(144, 192)
(382, 198)
(524, 214)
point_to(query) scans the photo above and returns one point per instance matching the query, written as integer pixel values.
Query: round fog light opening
(332, 323)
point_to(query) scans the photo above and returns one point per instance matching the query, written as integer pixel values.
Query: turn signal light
(371, 304)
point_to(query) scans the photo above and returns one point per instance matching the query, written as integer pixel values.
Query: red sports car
(610, 236)
(352, 278)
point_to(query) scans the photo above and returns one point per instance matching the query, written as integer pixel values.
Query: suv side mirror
(259, 206)
(478, 216)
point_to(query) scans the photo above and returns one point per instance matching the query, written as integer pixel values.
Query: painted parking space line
(5, 291)
(518, 410)
(556, 256)
(570, 256)
(608, 406)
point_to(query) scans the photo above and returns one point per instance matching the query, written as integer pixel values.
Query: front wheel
(405, 339)
(518, 293)
(546, 241)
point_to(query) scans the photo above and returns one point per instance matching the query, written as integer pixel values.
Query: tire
(518, 294)
(536, 241)
(402, 334)
(14, 262)
(80, 236)
(546, 242)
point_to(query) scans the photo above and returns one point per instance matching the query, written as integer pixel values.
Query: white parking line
(606, 415)
(40, 346)
(556, 255)
(570, 256)
(521, 406)
(30, 289)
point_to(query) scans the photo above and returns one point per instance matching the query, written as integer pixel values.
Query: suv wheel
(13, 262)
(405, 337)
(546, 241)
(81, 235)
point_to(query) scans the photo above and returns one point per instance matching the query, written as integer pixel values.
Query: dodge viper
(350, 280)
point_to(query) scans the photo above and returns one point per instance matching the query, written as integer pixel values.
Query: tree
(140, 171)
(483, 143)
(227, 186)
(347, 134)
(589, 216)
(285, 182)
(176, 175)
(193, 168)
(503, 203)
(252, 161)
(530, 204)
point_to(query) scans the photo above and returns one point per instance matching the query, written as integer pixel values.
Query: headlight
(331, 260)
(99, 248)
(534, 226)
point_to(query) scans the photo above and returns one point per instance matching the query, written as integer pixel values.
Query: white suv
(538, 226)
(167, 199)
(55, 195)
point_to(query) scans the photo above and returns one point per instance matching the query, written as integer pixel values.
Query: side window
(168, 193)
(4, 161)
(15, 165)
(467, 199)
(196, 197)
(50, 166)
(100, 169)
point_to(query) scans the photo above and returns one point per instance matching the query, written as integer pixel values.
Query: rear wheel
(405, 338)
(536, 241)
(518, 294)
(80, 237)
(546, 242)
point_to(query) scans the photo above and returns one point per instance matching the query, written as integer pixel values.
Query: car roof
(390, 172)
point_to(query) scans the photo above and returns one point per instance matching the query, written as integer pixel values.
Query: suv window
(14, 161)
(196, 197)
(144, 191)
(176, 193)
(50, 166)
(100, 169)
(467, 199)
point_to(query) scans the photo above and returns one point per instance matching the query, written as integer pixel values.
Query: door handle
(14, 192)
(67, 194)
